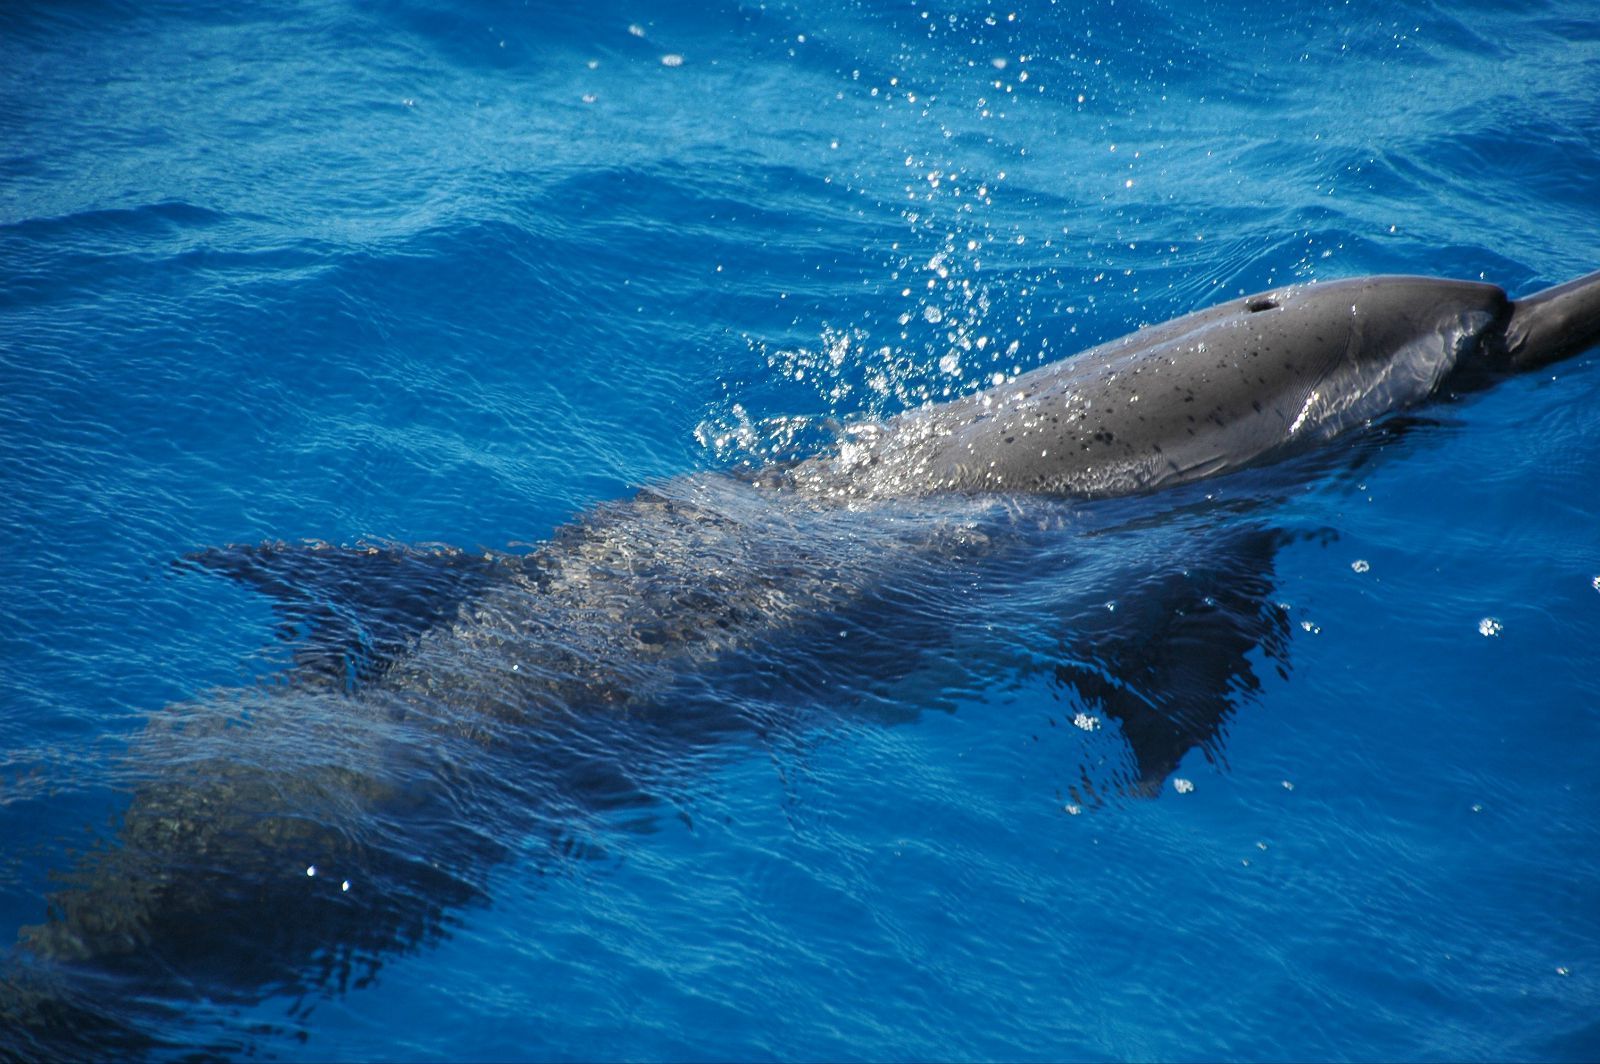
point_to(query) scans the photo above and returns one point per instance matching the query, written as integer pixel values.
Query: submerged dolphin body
(443, 705)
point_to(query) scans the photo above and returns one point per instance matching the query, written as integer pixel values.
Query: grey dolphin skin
(441, 707)
(1238, 384)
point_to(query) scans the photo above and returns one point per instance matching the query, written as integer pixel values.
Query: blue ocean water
(462, 273)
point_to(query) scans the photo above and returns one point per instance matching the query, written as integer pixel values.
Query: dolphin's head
(1551, 325)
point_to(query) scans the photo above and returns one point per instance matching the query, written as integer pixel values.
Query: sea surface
(461, 273)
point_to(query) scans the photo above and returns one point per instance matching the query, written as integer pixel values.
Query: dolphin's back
(1206, 393)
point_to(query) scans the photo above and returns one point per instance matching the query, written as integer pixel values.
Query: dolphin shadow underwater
(443, 707)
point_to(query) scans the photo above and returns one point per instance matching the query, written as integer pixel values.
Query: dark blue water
(460, 273)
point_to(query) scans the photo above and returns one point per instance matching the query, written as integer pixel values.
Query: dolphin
(292, 835)
(1242, 383)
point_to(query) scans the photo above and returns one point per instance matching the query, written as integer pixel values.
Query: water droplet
(1183, 786)
(1490, 626)
(1360, 565)
(311, 870)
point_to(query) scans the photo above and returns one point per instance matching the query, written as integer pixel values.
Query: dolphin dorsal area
(1247, 381)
